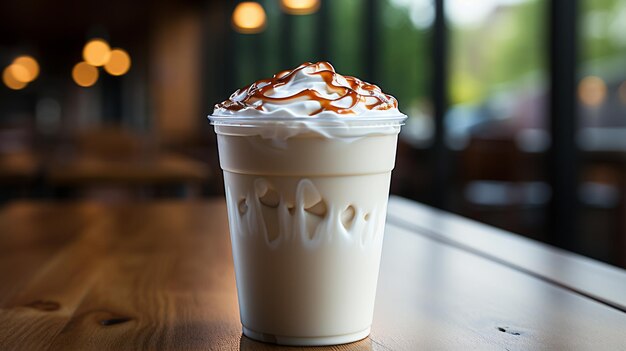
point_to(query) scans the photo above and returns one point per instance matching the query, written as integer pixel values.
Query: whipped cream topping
(309, 90)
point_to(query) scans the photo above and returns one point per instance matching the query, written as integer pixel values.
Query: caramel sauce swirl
(309, 82)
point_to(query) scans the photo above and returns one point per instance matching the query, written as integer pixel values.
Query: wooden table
(159, 168)
(19, 167)
(160, 276)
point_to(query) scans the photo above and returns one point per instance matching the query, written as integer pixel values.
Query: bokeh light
(300, 7)
(119, 62)
(30, 65)
(249, 17)
(592, 91)
(85, 74)
(20, 73)
(97, 52)
(10, 81)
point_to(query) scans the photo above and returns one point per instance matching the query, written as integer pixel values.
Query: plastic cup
(307, 201)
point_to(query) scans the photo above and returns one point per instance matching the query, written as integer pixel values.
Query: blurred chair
(108, 142)
(409, 177)
(19, 165)
(113, 164)
(601, 194)
(503, 185)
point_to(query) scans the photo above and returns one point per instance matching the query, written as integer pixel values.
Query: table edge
(581, 274)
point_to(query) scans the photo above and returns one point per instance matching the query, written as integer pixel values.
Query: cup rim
(297, 121)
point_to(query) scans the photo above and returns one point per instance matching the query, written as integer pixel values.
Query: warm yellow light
(249, 17)
(10, 81)
(622, 92)
(119, 62)
(30, 65)
(592, 91)
(97, 52)
(300, 7)
(20, 73)
(85, 74)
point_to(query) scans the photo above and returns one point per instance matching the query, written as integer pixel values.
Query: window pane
(602, 128)
(496, 122)
(404, 63)
(347, 36)
(304, 35)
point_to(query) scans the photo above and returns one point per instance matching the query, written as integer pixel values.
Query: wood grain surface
(84, 276)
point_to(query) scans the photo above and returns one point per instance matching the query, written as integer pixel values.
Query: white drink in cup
(307, 181)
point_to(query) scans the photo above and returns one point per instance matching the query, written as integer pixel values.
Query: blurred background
(517, 108)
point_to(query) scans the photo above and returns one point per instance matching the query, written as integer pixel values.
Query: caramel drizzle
(257, 92)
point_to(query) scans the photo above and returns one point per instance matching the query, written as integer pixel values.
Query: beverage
(307, 159)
